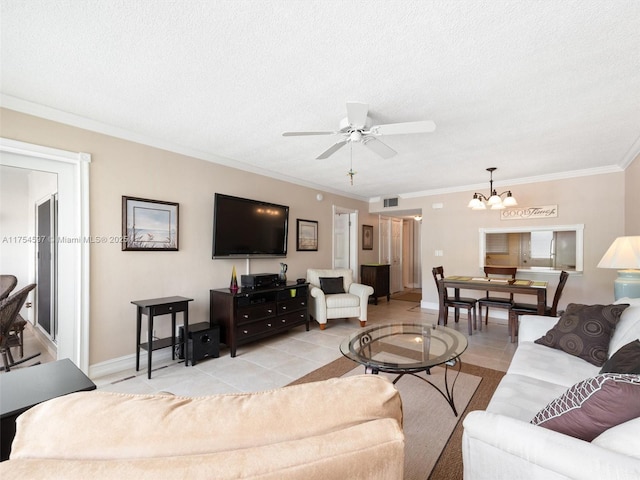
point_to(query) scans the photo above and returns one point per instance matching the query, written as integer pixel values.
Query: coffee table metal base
(447, 393)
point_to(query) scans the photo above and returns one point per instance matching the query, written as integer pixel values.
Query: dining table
(516, 286)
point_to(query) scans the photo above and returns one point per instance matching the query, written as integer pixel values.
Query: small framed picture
(306, 235)
(149, 225)
(367, 237)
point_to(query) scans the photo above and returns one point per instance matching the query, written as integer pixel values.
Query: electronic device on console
(259, 280)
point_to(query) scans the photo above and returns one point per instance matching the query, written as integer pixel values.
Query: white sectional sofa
(501, 443)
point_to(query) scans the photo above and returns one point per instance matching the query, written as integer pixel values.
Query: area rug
(408, 297)
(433, 435)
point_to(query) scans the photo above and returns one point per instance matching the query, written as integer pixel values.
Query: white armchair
(352, 302)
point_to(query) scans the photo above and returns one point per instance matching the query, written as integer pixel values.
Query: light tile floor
(277, 361)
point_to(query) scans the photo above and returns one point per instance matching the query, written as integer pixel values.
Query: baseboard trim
(127, 362)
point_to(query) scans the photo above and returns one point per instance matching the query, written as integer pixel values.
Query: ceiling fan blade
(378, 147)
(426, 126)
(357, 114)
(332, 149)
(296, 134)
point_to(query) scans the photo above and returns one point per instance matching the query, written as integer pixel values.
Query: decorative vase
(233, 286)
(283, 273)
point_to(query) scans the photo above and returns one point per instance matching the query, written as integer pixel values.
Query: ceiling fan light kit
(494, 200)
(357, 128)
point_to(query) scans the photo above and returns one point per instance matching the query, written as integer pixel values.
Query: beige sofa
(334, 429)
(352, 302)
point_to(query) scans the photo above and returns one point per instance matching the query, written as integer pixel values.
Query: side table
(22, 388)
(160, 306)
(376, 276)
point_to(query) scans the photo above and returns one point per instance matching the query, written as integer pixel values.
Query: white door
(345, 239)
(391, 250)
(395, 270)
(385, 240)
(341, 240)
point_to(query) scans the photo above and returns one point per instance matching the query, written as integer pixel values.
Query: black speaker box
(203, 341)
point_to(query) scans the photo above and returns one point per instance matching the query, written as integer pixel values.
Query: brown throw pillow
(625, 360)
(592, 406)
(331, 285)
(584, 331)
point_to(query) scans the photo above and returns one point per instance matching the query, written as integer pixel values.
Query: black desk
(21, 389)
(161, 306)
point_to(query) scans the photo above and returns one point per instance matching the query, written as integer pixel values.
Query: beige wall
(454, 230)
(121, 167)
(632, 201)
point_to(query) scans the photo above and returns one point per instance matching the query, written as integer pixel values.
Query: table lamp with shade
(624, 254)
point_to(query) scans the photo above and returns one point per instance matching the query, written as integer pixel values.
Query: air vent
(390, 202)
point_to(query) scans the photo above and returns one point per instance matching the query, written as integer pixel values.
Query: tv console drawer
(256, 328)
(292, 319)
(292, 305)
(256, 312)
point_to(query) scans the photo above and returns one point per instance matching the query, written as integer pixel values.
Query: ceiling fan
(356, 127)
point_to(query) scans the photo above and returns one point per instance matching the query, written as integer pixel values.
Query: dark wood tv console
(252, 314)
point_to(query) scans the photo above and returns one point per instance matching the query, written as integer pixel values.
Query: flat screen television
(247, 228)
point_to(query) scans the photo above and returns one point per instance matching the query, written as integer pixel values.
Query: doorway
(72, 170)
(345, 239)
(400, 249)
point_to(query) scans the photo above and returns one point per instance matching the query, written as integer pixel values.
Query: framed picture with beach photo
(149, 225)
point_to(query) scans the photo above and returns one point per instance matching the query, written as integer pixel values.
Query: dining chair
(7, 284)
(493, 300)
(531, 309)
(9, 314)
(457, 302)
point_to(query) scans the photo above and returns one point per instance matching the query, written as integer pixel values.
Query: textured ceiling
(535, 88)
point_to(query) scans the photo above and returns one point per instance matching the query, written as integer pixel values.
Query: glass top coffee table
(408, 349)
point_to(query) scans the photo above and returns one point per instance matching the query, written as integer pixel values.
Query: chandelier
(494, 200)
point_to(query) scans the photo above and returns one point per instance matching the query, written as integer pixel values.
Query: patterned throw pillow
(331, 285)
(584, 331)
(625, 360)
(592, 406)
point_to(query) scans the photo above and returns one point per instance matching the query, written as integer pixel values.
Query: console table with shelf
(152, 308)
(248, 315)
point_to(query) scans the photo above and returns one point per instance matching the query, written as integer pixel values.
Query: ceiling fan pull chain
(351, 173)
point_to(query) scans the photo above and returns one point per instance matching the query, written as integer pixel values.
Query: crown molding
(517, 181)
(48, 113)
(632, 154)
(41, 111)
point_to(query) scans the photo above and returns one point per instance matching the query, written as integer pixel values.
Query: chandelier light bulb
(510, 201)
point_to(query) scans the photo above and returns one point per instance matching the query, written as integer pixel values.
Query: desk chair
(530, 309)
(493, 301)
(456, 303)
